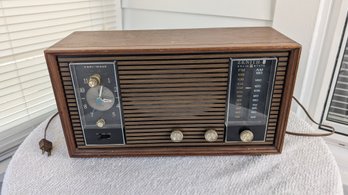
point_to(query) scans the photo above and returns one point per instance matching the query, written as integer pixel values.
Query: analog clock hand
(99, 100)
(106, 100)
(100, 91)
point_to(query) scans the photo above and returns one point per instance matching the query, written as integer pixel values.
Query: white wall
(297, 22)
(307, 25)
(304, 21)
(159, 14)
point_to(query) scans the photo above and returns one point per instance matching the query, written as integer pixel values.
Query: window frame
(339, 127)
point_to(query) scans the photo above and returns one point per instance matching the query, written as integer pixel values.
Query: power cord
(319, 124)
(46, 145)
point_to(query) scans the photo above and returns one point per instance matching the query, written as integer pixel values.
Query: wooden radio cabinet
(215, 91)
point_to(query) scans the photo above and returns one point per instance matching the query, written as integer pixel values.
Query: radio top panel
(174, 92)
(171, 41)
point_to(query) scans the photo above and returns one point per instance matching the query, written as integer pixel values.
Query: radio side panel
(294, 59)
(62, 106)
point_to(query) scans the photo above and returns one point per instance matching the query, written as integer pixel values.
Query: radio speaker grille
(167, 94)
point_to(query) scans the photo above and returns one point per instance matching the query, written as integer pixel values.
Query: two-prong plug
(45, 146)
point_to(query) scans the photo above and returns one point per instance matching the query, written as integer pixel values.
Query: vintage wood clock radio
(213, 91)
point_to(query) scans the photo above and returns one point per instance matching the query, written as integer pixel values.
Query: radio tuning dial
(246, 135)
(94, 80)
(100, 123)
(176, 136)
(211, 135)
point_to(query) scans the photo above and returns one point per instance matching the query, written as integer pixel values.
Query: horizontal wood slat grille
(276, 99)
(188, 111)
(162, 92)
(72, 105)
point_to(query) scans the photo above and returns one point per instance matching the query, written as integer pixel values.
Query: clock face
(100, 98)
(98, 101)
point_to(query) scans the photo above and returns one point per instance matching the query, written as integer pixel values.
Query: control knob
(211, 135)
(176, 136)
(100, 123)
(246, 135)
(94, 80)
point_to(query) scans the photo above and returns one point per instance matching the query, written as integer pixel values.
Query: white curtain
(26, 29)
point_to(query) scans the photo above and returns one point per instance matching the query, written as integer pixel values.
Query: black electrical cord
(44, 144)
(310, 118)
(48, 123)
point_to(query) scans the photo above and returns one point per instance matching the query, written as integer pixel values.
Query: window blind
(26, 29)
(338, 110)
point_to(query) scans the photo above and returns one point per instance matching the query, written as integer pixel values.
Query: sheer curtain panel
(26, 29)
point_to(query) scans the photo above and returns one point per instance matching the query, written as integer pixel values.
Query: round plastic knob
(100, 123)
(211, 135)
(246, 135)
(176, 136)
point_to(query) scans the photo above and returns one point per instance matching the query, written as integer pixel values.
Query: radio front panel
(216, 91)
(174, 100)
